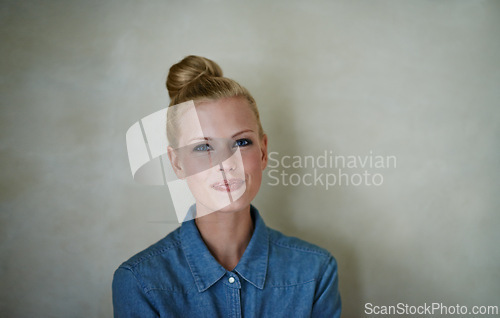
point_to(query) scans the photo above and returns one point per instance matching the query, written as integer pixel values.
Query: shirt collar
(207, 271)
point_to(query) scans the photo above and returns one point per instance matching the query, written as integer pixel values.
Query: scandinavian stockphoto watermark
(329, 169)
(434, 308)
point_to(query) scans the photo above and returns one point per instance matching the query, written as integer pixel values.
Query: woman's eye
(242, 142)
(203, 147)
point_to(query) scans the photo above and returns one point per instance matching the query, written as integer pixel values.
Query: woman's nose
(231, 163)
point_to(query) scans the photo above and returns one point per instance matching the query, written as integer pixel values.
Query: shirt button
(231, 280)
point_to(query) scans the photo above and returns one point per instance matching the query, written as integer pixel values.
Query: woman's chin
(223, 207)
(235, 206)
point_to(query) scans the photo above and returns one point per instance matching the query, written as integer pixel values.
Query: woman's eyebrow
(210, 138)
(199, 138)
(242, 132)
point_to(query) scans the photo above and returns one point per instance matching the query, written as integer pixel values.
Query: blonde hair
(199, 79)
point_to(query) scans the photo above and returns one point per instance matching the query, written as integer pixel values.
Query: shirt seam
(187, 291)
(313, 251)
(294, 284)
(150, 255)
(324, 268)
(143, 287)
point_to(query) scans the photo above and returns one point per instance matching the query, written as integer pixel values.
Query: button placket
(232, 280)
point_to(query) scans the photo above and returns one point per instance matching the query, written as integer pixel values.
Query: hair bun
(188, 70)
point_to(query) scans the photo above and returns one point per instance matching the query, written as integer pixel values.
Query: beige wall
(414, 79)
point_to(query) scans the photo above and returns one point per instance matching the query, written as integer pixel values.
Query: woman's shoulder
(295, 244)
(157, 252)
(161, 266)
(292, 259)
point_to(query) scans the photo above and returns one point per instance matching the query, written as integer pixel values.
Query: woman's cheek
(252, 163)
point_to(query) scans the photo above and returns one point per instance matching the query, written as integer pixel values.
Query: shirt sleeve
(327, 298)
(129, 298)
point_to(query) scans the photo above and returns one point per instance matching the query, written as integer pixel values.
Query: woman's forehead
(218, 119)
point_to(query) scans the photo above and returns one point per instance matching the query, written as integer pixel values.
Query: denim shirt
(277, 276)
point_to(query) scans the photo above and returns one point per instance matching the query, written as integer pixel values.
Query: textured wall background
(415, 79)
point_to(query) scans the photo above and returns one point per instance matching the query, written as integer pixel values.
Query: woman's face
(220, 154)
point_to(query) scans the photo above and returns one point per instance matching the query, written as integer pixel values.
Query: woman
(224, 261)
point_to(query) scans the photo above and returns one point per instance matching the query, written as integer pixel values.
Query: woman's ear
(263, 150)
(175, 162)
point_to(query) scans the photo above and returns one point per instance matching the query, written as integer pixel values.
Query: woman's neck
(226, 235)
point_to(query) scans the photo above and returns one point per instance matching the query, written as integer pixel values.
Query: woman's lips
(228, 185)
